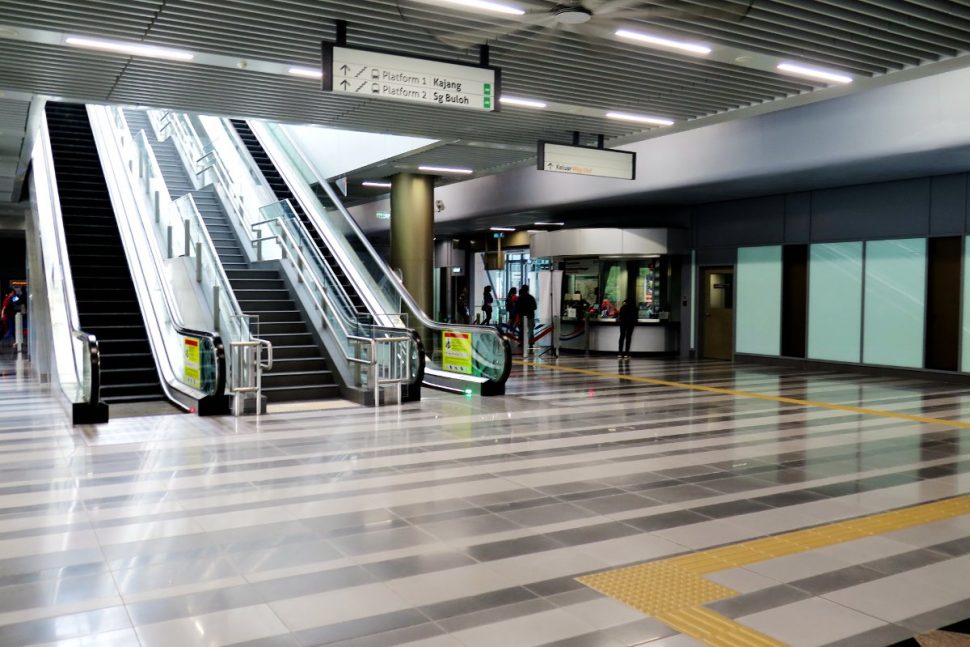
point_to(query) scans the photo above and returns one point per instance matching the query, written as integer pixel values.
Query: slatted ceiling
(863, 37)
(122, 19)
(479, 159)
(48, 69)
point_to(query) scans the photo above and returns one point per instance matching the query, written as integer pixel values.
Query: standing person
(510, 300)
(526, 306)
(487, 300)
(628, 321)
(7, 313)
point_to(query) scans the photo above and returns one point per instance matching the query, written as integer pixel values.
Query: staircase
(299, 368)
(282, 191)
(106, 301)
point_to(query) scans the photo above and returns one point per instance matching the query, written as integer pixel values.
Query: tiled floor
(461, 522)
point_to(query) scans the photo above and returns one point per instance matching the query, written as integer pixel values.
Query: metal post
(141, 165)
(158, 209)
(18, 322)
(198, 262)
(259, 248)
(169, 247)
(188, 237)
(215, 306)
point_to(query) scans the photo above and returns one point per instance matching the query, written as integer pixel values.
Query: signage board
(456, 351)
(378, 75)
(383, 215)
(193, 377)
(586, 160)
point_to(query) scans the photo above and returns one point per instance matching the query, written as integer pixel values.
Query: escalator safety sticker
(193, 377)
(457, 351)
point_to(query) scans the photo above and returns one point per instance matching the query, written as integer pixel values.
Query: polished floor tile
(464, 522)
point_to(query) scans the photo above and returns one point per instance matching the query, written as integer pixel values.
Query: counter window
(648, 294)
(614, 288)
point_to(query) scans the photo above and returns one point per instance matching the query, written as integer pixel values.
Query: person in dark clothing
(628, 321)
(525, 308)
(487, 300)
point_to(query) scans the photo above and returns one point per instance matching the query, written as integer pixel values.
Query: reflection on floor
(464, 522)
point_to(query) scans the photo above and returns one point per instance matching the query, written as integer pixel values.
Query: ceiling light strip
(376, 185)
(446, 169)
(130, 49)
(642, 119)
(524, 103)
(487, 5)
(806, 71)
(660, 41)
(307, 72)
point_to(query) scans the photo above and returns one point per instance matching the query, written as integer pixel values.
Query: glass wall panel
(758, 328)
(835, 302)
(895, 302)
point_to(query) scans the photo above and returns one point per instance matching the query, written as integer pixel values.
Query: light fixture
(643, 119)
(548, 224)
(573, 15)
(485, 5)
(501, 228)
(376, 185)
(307, 72)
(660, 41)
(446, 169)
(814, 73)
(131, 49)
(525, 103)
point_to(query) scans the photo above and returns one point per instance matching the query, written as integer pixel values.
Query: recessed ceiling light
(525, 103)
(643, 119)
(377, 185)
(814, 73)
(660, 41)
(501, 228)
(548, 224)
(131, 49)
(481, 5)
(308, 72)
(446, 169)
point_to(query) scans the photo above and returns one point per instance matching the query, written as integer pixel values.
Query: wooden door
(718, 314)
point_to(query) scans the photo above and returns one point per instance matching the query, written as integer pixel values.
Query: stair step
(299, 393)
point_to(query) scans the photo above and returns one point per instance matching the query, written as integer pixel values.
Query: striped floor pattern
(465, 522)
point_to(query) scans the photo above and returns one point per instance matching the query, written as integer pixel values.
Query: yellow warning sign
(457, 351)
(193, 377)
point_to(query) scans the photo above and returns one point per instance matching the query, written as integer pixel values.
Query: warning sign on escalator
(457, 351)
(193, 377)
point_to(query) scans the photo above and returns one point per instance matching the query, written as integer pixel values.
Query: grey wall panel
(884, 210)
(717, 256)
(798, 217)
(757, 221)
(948, 204)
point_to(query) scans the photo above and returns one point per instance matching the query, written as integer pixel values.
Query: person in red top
(510, 300)
(6, 314)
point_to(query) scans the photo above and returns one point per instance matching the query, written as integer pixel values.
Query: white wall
(337, 152)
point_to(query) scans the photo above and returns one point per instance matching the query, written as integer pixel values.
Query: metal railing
(248, 366)
(76, 353)
(491, 350)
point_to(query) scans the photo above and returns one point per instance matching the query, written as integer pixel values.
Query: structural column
(412, 235)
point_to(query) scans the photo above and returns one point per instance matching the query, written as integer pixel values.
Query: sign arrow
(344, 84)
(344, 69)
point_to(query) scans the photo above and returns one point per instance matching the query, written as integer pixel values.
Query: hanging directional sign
(584, 160)
(379, 75)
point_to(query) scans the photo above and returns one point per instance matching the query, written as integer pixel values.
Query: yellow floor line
(674, 590)
(752, 394)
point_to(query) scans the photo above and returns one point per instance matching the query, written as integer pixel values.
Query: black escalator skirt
(106, 301)
(282, 191)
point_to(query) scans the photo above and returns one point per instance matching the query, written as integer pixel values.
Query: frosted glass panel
(895, 302)
(835, 302)
(758, 300)
(965, 335)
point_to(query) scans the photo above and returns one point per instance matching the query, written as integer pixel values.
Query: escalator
(300, 370)
(282, 191)
(107, 303)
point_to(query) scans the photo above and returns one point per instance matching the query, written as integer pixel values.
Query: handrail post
(158, 208)
(188, 237)
(198, 262)
(215, 307)
(170, 252)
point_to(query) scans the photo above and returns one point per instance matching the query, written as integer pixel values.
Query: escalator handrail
(405, 295)
(168, 299)
(67, 279)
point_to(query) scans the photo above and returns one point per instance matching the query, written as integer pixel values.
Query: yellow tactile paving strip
(751, 394)
(674, 590)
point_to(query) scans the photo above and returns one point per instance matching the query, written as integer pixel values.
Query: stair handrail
(501, 347)
(45, 178)
(280, 227)
(157, 199)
